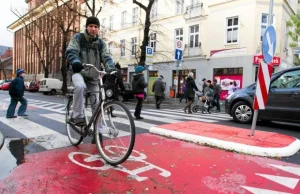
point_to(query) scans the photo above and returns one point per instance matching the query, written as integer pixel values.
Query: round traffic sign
(269, 44)
(179, 44)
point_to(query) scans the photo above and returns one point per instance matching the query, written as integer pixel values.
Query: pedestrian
(190, 93)
(159, 88)
(87, 48)
(138, 86)
(209, 94)
(204, 84)
(16, 92)
(217, 93)
(117, 80)
(183, 95)
(230, 88)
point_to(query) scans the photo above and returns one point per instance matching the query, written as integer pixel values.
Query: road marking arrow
(270, 44)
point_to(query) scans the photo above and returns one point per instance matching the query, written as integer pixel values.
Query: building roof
(3, 49)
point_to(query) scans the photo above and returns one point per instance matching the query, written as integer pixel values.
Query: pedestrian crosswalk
(48, 129)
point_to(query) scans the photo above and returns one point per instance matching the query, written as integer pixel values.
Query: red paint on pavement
(172, 166)
(232, 134)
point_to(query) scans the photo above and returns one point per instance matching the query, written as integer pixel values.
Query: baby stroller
(203, 105)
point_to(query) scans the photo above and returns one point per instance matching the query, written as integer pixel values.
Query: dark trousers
(138, 108)
(13, 104)
(189, 104)
(217, 102)
(158, 100)
(183, 97)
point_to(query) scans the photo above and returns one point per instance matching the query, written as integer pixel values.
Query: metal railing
(194, 10)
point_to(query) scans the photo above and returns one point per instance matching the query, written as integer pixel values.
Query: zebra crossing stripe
(190, 116)
(41, 135)
(213, 115)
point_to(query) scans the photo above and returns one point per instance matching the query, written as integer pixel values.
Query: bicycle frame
(100, 106)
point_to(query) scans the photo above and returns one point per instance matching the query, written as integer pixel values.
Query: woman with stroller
(190, 93)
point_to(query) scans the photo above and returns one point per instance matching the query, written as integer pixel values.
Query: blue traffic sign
(178, 54)
(149, 50)
(269, 44)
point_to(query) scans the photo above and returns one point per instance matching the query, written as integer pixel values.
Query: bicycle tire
(69, 128)
(99, 138)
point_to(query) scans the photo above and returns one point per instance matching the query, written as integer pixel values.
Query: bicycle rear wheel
(114, 134)
(74, 137)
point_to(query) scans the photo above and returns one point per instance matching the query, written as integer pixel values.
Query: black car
(283, 100)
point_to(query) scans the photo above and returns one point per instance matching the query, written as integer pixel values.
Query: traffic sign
(149, 55)
(269, 44)
(262, 86)
(179, 45)
(178, 54)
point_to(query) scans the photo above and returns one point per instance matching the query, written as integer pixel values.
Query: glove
(77, 67)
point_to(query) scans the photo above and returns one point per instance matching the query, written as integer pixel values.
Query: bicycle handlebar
(100, 72)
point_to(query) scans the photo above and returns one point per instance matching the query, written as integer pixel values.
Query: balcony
(192, 50)
(194, 11)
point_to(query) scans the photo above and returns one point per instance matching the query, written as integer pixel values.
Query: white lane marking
(285, 181)
(41, 135)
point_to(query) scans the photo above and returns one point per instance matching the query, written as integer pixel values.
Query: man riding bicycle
(87, 48)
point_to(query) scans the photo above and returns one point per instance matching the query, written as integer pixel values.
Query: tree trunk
(64, 64)
(46, 74)
(146, 38)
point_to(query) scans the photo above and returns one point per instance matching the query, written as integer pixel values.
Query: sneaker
(23, 115)
(78, 121)
(11, 117)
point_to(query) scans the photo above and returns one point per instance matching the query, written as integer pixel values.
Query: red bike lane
(157, 165)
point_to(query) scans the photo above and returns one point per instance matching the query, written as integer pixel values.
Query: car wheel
(242, 112)
(53, 92)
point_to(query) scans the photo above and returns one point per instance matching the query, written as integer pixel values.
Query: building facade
(6, 57)
(222, 38)
(38, 38)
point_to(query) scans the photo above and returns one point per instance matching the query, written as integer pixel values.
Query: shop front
(227, 76)
(124, 72)
(179, 79)
(259, 58)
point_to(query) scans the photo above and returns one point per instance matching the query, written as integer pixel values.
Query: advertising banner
(224, 81)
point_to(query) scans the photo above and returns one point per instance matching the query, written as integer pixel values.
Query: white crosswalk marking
(48, 138)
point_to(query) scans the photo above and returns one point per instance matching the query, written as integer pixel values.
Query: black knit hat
(92, 20)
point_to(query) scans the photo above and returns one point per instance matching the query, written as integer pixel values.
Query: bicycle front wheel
(115, 133)
(74, 137)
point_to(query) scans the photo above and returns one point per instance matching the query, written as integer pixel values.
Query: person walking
(138, 86)
(190, 93)
(87, 48)
(159, 88)
(16, 92)
(183, 95)
(217, 93)
(204, 85)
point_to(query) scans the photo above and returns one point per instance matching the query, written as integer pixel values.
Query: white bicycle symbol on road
(132, 173)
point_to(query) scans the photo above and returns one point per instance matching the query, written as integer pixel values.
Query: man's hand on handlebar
(77, 67)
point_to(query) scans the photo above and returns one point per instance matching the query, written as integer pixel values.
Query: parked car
(6, 86)
(34, 86)
(283, 100)
(50, 85)
(128, 94)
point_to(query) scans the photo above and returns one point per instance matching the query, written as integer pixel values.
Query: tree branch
(140, 5)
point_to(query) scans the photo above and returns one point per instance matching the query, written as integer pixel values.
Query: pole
(176, 88)
(270, 21)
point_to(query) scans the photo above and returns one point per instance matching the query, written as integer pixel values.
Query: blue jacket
(17, 87)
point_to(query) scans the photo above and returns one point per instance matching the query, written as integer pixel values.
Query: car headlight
(230, 95)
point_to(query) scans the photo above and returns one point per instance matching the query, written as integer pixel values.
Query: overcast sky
(7, 17)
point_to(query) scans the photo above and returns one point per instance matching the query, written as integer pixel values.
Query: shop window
(179, 79)
(228, 71)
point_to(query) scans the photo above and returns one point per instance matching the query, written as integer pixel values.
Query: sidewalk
(231, 138)
(1, 140)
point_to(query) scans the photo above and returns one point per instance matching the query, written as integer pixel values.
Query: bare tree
(145, 42)
(42, 34)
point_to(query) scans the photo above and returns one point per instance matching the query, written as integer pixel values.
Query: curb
(231, 146)
(1, 140)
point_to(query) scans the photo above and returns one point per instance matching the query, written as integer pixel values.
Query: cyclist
(87, 48)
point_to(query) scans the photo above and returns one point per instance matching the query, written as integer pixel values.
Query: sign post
(178, 57)
(265, 69)
(149, 62)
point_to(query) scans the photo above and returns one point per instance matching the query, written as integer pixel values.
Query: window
(153, 14)
(194, 36)
(264, 24)
(103, 22)
(110, 48)
(153, 41)
(232, 30)
(111, 22)
(179, 34)
(228, 71)
(122, 46)
(123, 19)
(133, 46)
(179, 6)
(289, 79)
(135, 16)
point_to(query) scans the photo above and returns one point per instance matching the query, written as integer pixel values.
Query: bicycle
(103, 123)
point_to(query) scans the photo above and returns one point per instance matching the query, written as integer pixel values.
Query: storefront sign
(224, 81)
(258, 58)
